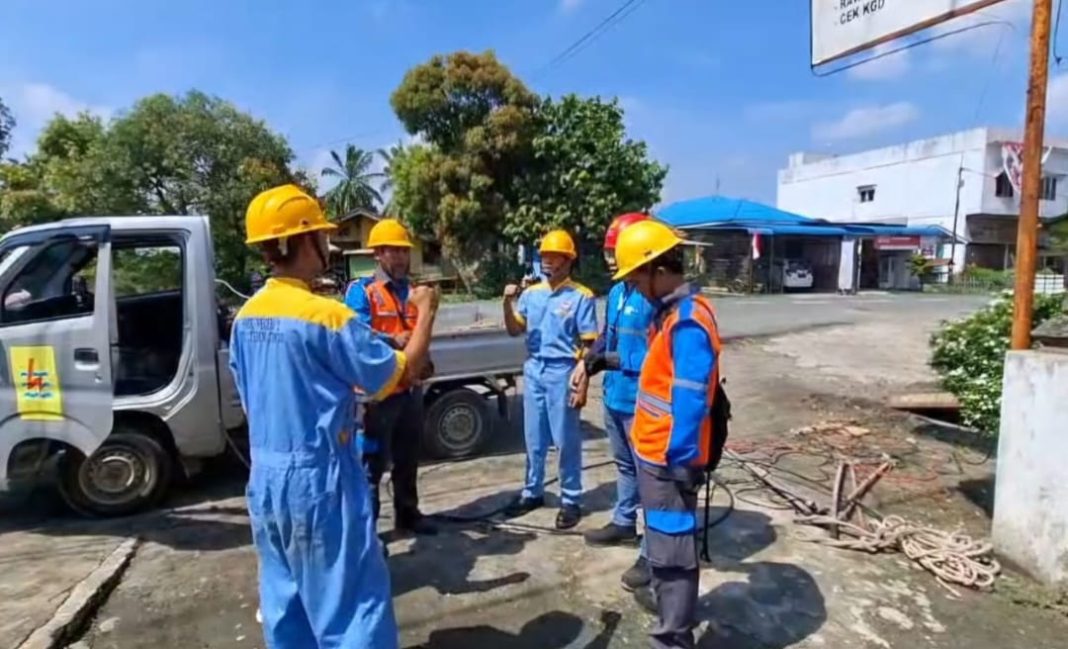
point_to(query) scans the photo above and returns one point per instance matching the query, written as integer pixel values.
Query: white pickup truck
(115, 348)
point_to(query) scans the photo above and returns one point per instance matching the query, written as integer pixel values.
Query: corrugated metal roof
(721, 209)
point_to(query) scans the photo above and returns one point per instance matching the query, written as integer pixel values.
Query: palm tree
(388, 155)
(356, 184)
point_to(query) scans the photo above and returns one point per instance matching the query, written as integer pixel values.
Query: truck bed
(478, 349)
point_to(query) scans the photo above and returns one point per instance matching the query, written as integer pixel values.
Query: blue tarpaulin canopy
(723, 213)
(717, 211)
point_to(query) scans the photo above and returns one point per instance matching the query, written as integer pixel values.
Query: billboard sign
(897, 242)
(844, 27)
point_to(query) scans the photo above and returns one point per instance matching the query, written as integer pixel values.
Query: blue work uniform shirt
(628, 316)
(356, 296)
(558, 321)
(296, 358)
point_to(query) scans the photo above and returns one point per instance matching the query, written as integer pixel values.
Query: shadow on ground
(553, 630)
(183, 524)
(776, 606)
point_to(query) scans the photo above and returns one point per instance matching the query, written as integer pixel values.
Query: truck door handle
(86, 355)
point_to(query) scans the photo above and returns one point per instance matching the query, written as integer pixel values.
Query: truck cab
(115, 363)
(115, 349)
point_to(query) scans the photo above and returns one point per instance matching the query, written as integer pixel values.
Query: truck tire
(457, 424)
(130, 472)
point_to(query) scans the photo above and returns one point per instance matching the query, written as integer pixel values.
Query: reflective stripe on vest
(651, 430)
(385, 315)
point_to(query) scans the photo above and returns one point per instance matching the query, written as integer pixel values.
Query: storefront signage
(844, 27)
(898, 242)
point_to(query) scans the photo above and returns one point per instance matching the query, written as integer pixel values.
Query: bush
(987, 279)
(969, 355)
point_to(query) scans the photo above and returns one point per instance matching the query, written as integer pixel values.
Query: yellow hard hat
(389, 232)
(558, 241)
(642, 242)
(283, 211)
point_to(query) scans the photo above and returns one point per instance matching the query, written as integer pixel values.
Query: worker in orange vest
(672, 431)
(393, 426)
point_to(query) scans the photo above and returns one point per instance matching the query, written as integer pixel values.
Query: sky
(721, 91)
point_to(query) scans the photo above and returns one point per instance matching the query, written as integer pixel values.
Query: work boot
(637, 576)
(646, 598)
(522, 506)
(612, 534)
(568, 517)
(415, 523)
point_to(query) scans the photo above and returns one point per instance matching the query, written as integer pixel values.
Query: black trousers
(393, 429)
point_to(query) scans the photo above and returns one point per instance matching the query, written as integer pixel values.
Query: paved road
(778, 314)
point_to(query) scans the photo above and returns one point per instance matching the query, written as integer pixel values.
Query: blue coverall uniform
(558, 324)
(622, 345)
(296, 358)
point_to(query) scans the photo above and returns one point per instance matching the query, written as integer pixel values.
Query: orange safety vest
(651, 430)
(389, 316)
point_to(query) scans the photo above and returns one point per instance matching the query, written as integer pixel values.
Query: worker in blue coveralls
(559, 318)
(297, 359)
(620, 350)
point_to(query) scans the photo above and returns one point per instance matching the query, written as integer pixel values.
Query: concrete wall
(1031, 499)
(915, 183)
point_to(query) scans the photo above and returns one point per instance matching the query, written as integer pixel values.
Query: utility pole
(1031, 183)
(956, 216)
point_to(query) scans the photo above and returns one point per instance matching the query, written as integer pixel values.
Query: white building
(915, 184)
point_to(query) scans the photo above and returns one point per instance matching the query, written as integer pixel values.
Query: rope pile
(952, 557)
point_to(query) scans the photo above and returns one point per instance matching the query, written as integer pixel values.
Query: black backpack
(721, 417)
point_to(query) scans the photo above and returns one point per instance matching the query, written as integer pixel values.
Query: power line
(1056, 32)
(587, 39)
(909, 46)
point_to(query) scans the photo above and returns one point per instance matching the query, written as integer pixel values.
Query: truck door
(55, 337)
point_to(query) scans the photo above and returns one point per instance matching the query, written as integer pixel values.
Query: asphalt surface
(772, 315)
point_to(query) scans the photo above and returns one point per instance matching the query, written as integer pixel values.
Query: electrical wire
(587, 39)
(1057, 58)
(909, 46)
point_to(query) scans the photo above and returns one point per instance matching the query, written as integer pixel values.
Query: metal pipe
(1031, 184)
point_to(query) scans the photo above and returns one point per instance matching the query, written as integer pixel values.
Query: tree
(355, 187)
(478, 123)
(585, 172)
(7, 124)
(190, 154)
(387, 156)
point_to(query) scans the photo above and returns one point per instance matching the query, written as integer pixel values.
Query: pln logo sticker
(37, 383)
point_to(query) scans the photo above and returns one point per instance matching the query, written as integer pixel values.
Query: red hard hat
(617, 226)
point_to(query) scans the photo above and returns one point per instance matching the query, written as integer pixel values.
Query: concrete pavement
(768, 315)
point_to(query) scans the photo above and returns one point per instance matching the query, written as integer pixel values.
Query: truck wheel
(457, 424)
(130, 472)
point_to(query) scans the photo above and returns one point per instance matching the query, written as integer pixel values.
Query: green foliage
(1058, 232)
(7, 124)
(356, 182)
(969, 355)
(497, 160)
(585, 172)
(477, 122)
(387, 156)
(987, 279)
(192, 154)
(919, 265)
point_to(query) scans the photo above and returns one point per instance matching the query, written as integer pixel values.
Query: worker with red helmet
(620, 350)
